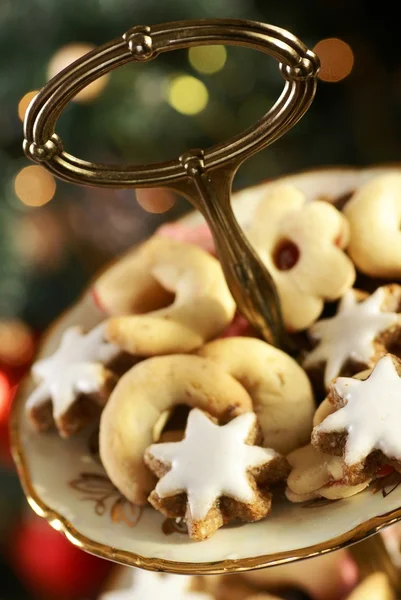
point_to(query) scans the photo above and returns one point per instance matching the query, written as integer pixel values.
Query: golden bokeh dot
(336, 59)
(67, 55)
(208, 59)
(155, 200)
(16, 343)
(24, 103)
(187, 94)
(34, 186)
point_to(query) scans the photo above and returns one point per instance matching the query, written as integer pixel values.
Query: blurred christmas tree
(148, 112)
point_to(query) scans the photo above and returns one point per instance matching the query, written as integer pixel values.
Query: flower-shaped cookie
(357, 334)
(146, 585)
(301, 244)
(365, 428)
(73, 382)
(214, 475)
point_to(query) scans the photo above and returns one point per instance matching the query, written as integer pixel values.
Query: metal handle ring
(203, 176)
(299, 67)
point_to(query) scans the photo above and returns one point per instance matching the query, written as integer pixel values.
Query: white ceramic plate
(66, 484)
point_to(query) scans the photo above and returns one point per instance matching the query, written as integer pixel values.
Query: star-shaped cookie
(367, 420)
(146, 585)
(75, 371)
(354, 333)
(214, 474)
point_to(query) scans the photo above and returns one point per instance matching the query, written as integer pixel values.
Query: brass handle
(205, 179)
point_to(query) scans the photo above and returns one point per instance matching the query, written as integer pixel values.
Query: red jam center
(286, 255)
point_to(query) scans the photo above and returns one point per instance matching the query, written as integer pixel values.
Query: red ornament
(51, 566)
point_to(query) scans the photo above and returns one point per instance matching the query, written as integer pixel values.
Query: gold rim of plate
(61, 524)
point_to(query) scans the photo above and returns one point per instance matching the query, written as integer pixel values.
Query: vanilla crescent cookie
(301, 244)
(364, 429)
(374, 215)
(215, 474)
(358, 334)
(280, 389)
(142, 395)
(74, 383)
(171, 297)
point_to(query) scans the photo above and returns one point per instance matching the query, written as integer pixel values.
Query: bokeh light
(16, 343)
(155, 200)
(39, 240)
(25, 102)
(336, 59)
(207, 59)
(187, 94)
(34, 186)
(64, 57)
(5, 391)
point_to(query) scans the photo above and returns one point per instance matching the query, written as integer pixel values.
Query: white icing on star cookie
(77, 367)
(371, 415)
(350, 334)
(210, 462)
(146, 585)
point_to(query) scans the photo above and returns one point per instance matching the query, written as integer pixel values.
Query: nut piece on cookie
(215, 475)
(374, 214)
(315, 474)
(73, 383)
(318, 475)
(365, 427)
(302, 243)
(358, 335)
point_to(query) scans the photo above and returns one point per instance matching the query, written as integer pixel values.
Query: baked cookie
(146, 585)
(318, 475)
(281, 393)
(301, 244)
(130, 422)
(358, 335)
(375, 587)
(215, 475)
(374, 215)
(168, 297)
(74, 383)
(315, 474)
(364, 429)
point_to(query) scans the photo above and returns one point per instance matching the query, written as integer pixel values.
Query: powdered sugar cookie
(146, 585)
(280, 390)
(302, 243)
(142, 395)
(364, 429)
(360, 332)
(374, 215)
(164, 272)
(74, 383)
(215, 474)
